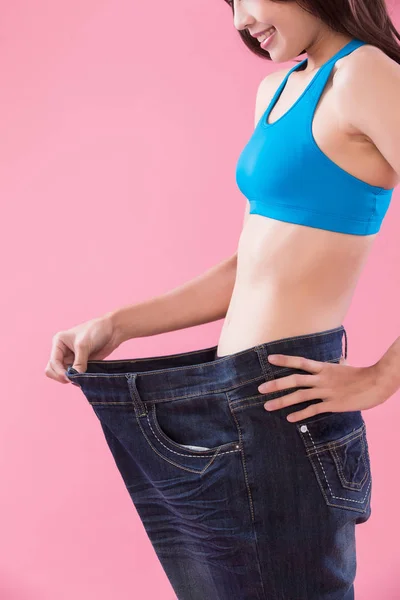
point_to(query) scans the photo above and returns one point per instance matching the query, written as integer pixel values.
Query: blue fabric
(286, 176)
(237, 502)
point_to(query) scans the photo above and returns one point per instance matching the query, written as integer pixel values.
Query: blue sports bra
(286, 176)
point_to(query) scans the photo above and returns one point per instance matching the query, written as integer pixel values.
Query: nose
(241, 24)
(241, 19)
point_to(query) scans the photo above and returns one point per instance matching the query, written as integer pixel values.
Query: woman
(241, 502)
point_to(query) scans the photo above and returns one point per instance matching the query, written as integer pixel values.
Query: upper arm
(368, 95)
(264, 94)
(246, 212)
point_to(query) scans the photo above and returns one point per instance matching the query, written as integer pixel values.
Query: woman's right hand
(94, 340)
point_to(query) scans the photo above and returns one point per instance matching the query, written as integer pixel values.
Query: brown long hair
(366, 20)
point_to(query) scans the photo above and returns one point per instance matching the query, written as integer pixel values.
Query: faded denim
(238, 503)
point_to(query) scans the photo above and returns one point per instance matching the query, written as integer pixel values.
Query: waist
(266, 309)
(198, 372)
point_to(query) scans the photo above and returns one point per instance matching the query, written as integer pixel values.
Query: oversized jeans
(238, 503)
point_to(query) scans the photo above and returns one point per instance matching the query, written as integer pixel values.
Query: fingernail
(269, 405)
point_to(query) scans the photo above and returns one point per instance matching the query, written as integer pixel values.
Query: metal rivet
(303, 428)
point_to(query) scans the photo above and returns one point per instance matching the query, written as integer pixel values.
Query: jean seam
(249, 497)
(244, 465)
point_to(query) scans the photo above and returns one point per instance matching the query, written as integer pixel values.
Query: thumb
(80, 362)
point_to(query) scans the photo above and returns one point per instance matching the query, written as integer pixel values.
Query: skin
(283, 265)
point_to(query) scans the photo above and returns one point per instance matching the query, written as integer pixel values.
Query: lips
(256, 35)
(264, 44)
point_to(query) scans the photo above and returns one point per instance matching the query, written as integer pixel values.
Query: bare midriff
(291, 280)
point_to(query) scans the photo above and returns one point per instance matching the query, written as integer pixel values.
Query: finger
(54, 374)
(81, 358)
(296, 362)
(58, 355)
(295, 398)
(56, 367)
(311, 411)
(295, 380)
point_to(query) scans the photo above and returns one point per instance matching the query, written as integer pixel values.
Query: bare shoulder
(266, 90)
(365, 68)
(366, 74)
(365, 60)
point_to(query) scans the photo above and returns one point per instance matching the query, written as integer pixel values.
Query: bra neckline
(265, 117)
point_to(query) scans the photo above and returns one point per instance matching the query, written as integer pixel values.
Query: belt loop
(345, 343)
(266, 367)
(138, 403)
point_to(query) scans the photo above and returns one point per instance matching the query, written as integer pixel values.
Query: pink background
(118, 154)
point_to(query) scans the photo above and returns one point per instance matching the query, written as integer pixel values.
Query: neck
(322, 50)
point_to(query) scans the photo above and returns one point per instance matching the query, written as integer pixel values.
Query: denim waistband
(163, 378)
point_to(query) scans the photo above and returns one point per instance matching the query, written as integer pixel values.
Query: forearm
(389, 369)
(201, 300)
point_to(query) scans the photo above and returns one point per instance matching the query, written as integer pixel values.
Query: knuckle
(79, 344)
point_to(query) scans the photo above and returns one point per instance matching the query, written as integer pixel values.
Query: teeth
(265, 35)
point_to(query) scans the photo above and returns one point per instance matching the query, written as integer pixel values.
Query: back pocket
(336, 445)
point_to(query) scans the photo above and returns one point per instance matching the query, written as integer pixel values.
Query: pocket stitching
(323, 446)
(199, 455)
(328, 484)
(351, 484)
(201, 471)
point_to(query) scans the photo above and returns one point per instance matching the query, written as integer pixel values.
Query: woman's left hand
(341, 387)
